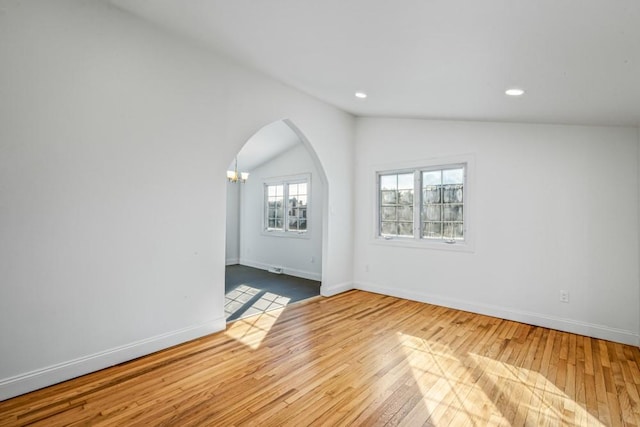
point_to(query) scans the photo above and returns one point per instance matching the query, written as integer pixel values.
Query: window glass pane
(274, 190)
(302, 224)
(274, 206)
(432, 230)
(431, 194)
(452, 213)
(389, 228)
(405, 197)
(396, 204)
(297, 193)
(388, 182)
(453, 176)
(278, 223)
(453, 230)
(388, 197)
(452, 193)
(431, 178)
(405, 213)
(458, 231)
(405, 181)
(442, 198)
(431, 212)
(388, 214)
(405, 228)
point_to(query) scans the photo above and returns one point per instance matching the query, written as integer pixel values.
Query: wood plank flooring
(356, 359)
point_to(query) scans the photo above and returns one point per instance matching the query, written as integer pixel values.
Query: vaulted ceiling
(577, 60)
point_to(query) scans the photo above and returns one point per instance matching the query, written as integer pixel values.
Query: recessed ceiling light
(514, 92)
(361, 95)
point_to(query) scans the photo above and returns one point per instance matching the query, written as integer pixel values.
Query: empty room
(459, 181)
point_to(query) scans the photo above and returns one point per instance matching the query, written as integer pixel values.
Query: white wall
(232, 249)
(298, 256)
(556, 207)
(114, 142)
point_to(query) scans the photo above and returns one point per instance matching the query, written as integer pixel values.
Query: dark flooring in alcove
(250, 291)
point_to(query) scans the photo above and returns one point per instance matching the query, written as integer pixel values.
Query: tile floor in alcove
(250, 291)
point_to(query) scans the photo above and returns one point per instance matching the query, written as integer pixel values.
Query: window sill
(286, 234)
(440, 245)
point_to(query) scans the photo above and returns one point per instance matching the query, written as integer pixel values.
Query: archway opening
(275, 223)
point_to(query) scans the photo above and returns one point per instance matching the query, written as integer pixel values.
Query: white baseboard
(552, 322)
(311, 275)
(232, 261)
(303, 274)
(331, 290)
(34, 380)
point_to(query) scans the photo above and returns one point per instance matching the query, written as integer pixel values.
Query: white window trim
(466, 245)
(284, 180)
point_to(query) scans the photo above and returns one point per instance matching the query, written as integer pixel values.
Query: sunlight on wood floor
(456, 392)
(251, 331)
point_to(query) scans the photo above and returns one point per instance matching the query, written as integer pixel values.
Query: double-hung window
(287, 205)
(425, 204)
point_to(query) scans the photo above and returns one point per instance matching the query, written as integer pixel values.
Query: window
(297, 206)
(423, 204)
(396, 204)
(442, 204)
(287, 205)
(275, 207)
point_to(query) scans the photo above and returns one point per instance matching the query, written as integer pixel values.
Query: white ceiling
(579, 60)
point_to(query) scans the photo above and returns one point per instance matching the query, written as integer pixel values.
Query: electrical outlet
(366, 268)
(564, 296)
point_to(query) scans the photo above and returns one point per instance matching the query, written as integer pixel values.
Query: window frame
(285, 181)
(417, 167)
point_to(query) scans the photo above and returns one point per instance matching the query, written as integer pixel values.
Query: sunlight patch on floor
(252, 330)
(455, 392)
(532, 393)
(449, 391)
(252, 301)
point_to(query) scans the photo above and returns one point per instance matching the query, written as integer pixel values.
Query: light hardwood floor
(356, 359)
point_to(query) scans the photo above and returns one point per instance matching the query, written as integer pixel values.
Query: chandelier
(234, 176)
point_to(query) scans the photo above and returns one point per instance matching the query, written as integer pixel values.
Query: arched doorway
(276, 222)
